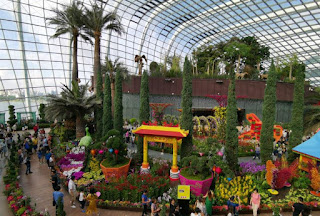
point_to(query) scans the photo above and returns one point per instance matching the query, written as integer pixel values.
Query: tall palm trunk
(290, 72)
(238, 66)
(75, 58)
(80, 127)
(97, 63)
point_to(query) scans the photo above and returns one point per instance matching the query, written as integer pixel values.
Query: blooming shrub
(251, 167)
(131, 188)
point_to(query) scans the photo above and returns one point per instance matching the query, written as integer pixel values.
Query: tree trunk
(96, 63)
(258, 66)
(290, 72)
(75, 59)
(80, 127)
(213, 67)
(140, 68)
(238, 66)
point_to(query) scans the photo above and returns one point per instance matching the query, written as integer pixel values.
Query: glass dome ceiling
(33, 65)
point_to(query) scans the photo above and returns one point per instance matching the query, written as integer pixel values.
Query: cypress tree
(107, 103)
(297, 112)
(231, 128)
(268, 115)
(186, 104)
(98, 111)
(144, 112)
(118, 108)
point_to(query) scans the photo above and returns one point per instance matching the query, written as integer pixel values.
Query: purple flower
(78, 175)
(251, 167)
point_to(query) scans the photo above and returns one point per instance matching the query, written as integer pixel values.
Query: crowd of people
(40, 145)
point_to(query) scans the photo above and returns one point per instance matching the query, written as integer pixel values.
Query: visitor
(51, 162)
(28, 165)
(92, 197)
(231, 203)
(279, 152)
(162, 148)
(27, 145)
(200, 203)
(8, 129)
(39, 153)
(54, 179)
(255, 201)
(82, 200)
(45, 143)
(197, 212)
(35, 129)
(127, 137)
(43, 153)
(284, 150)
(56, 195)
(209, 202)
(284, 134)
(9, 140)
(173, 207)
(132, 139)
(72, 191)
(47, 156)
(3, 146)
(14, 128)
(155, 207)
(145, 202)
(298, 207)
(34, 143)
(257, 152)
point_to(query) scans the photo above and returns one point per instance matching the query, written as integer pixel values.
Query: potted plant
(116, 163)
(196, 170)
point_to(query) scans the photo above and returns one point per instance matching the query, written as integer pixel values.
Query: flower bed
(251, 167)
(132, 187)
(72, 162)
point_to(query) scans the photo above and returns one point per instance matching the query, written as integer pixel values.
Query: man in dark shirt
(298, 207)
(54, 179)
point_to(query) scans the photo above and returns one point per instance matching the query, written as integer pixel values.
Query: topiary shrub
(117, 148)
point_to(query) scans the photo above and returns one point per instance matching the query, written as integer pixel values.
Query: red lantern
(93, 152)
(218, 170)
(116, 151)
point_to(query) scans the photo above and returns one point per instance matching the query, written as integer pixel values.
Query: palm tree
(70, 20)
(73, 103)
(110, 68)
(95, 21)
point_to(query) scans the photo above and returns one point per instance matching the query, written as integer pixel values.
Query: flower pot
(112, 172)
(197, 187)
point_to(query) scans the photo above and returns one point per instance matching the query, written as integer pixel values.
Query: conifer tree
(107, 110)
(186, 104)
(98, 112)
(231, 128)
(118, 107)
(144, 112)
(297, 111)
(268, 115)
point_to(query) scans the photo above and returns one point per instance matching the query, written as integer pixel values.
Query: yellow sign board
(184, 192)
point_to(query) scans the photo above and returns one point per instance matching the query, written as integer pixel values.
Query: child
(47, 156)
(82, 200)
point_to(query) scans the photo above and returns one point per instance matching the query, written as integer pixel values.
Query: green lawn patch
(108, 164)
(184, 173)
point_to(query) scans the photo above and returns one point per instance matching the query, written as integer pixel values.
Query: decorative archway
(165, 134)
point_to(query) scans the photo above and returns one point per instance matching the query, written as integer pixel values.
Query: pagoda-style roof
(310, 148)
(164, 131)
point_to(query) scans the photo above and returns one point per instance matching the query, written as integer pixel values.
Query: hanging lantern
(110, 150)
(116, 151)
(101, 152)
(218, 170)
(229, 179)
(93, 152)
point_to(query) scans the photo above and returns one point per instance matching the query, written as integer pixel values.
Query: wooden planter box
(197, 187)
(111, 172)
